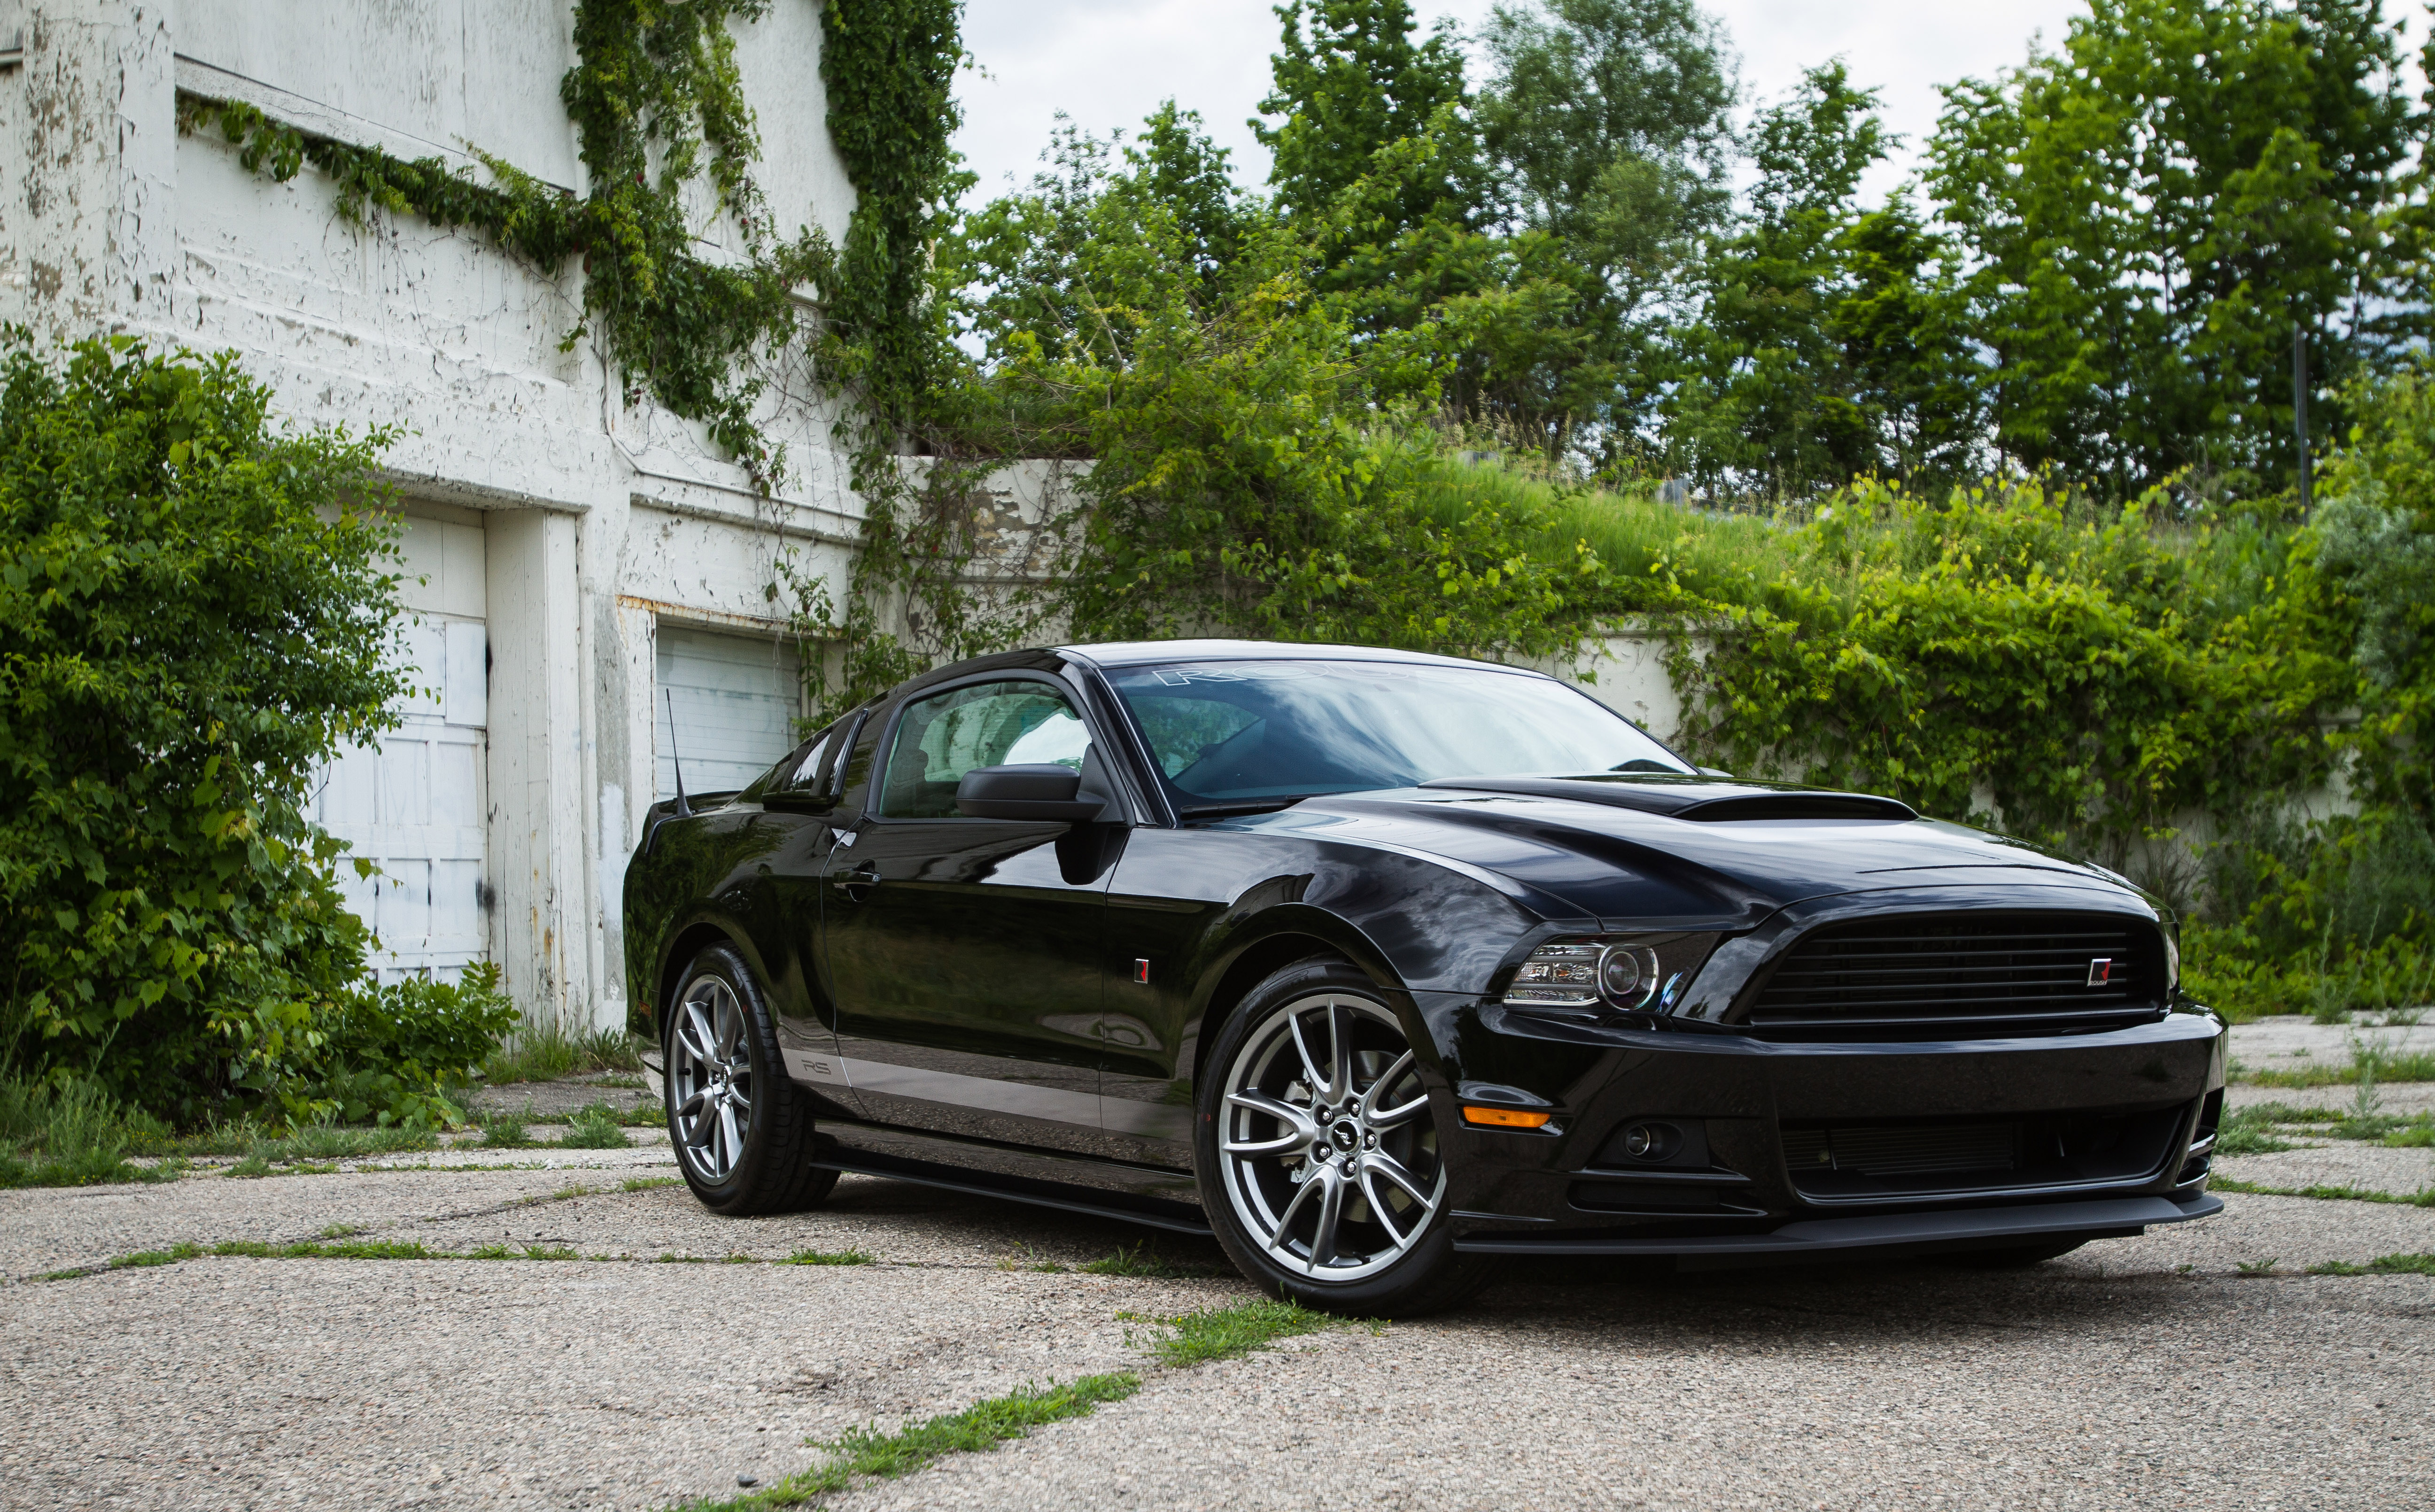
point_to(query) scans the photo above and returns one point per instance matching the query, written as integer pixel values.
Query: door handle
(857, 882)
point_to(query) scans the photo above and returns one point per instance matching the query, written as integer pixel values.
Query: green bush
(392, 1055)
(2094, 676)
(195, 614)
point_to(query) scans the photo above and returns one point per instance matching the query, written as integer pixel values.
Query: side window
(985, 724)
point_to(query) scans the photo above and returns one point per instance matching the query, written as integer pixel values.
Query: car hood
(1725, 852)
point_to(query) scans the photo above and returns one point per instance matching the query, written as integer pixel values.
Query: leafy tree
(2373, 550)
(1018, 264)
(2151, 210)
(193, 615)
(1829, 341)
(1608, 123)
(1348, 80)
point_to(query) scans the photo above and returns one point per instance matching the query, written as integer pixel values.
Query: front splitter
(1965, 1228)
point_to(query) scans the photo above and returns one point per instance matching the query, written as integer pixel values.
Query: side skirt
(1132, 1194)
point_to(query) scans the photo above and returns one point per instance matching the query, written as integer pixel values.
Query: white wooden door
(414, 802)
(735, 699)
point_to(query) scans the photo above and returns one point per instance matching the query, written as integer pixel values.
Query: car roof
(1139, 653)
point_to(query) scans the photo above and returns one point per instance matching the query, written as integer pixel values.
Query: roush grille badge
(2100, 970)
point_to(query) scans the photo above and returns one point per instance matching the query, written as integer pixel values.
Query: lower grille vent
(1858, 1162)
(1973, 975)
(1902, 1151)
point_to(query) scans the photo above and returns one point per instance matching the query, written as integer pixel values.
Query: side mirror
(1047, 793)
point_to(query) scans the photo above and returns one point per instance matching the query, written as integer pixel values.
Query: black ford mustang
(1383, 965)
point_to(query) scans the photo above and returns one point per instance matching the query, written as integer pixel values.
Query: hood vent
(1704, 799)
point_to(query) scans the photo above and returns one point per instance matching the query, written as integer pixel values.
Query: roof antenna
(682, 810)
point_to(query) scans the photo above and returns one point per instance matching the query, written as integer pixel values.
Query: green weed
(645, 1183)
(71, 1133)
(549, 1050)
(597, 1128)
(2418, 1264)
(314, 1249)
(2249, 1131)
(522, 1252)
(505, 1131)
(2416, 1065)
(829, 1256)
(332, 1141)
(2423, 1198)
(1224, 1333)
(1130, 1260)
(251, 1168)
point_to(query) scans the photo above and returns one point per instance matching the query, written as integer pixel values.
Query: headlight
(1610, 973)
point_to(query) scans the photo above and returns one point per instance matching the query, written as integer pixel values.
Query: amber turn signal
(1504, 1117)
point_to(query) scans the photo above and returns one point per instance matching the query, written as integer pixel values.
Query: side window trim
(884, 751)
(833, 761)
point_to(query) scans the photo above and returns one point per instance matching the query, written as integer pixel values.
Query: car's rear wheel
(741, 1130)
(1320, 1164)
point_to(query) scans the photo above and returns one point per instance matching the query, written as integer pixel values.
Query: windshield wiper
(1249, 805)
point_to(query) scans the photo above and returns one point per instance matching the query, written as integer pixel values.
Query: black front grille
(1964, 975)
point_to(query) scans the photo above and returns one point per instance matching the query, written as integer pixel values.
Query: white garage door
(735, 700)
(414, 805)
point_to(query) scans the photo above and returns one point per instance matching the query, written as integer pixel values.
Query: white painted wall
(595, 522)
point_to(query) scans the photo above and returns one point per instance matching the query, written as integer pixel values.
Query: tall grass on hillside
(1721, 557)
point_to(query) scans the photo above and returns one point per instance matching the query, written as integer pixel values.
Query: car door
(965, 967)
(800, 801)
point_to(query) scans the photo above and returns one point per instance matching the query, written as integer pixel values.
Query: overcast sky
(1107, 63)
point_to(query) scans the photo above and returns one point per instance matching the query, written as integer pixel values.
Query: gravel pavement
(2144, 1372)
(2367, 1167)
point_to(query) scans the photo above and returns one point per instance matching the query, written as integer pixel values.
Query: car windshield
(1240, 736)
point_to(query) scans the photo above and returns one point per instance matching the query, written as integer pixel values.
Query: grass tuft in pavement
(505, 1131)
(2423, 1198)
(1224, 1333)
(1141, 1259)
(2251, 1131)
(2367, 1062)
(983, 1425)
(829, 1256)
(597, 1128)
(645, 1183)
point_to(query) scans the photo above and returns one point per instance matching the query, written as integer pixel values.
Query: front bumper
(2107, 1133)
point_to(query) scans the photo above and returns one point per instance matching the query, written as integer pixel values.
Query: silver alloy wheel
(1329, 1154)
(710, 1078)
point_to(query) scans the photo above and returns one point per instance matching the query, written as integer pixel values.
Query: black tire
(1387, 1272)
(767, 1166)
(2012, 1257)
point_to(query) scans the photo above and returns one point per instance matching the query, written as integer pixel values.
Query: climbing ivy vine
(890, 68)
(657, 105)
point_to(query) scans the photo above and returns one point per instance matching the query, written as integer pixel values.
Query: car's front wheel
(1321, 1165)
(742, 1130)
